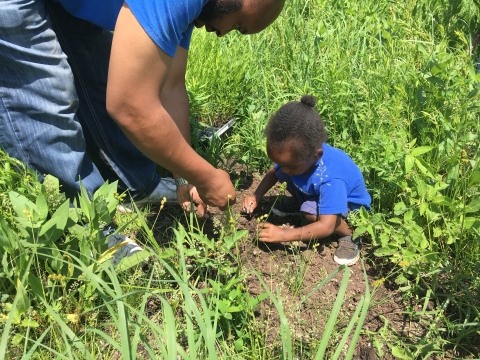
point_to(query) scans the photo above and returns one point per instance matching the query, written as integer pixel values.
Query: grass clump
(398, 91)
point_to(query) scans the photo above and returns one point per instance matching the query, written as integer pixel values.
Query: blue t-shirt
(168, 22)
(335, 182)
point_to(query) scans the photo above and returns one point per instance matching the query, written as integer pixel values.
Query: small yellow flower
(162, 203)
(26, 212)
(378, 282)
(57, 277)
(464, 156)
(404, 263)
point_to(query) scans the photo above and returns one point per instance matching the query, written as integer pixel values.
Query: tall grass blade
(361, 319)
(284, 326)
(11, 314)
(348, 329)
(333, 316)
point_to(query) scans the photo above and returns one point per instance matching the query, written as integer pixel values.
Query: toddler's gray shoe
(347, 252)
(287, 206)
(166, 188)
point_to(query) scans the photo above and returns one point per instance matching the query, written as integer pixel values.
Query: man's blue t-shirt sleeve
(333, 198)
(169, 23)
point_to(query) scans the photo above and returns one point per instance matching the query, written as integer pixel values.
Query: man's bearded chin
(216, 9)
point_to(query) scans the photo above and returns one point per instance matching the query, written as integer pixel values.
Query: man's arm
(174, 94)
(174, 98)
(138, 72)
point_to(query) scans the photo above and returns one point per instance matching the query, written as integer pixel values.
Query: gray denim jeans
(53, 75)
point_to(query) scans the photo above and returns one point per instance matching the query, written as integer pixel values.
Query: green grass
(397, 89)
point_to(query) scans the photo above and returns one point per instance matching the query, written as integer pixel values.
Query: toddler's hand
(249, 204)
(271, 233)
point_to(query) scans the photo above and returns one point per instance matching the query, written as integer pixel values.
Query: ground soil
(293, 271)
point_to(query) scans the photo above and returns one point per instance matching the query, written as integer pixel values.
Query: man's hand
(271, 233)
(218, 191)
(249, 204)
(186, 194)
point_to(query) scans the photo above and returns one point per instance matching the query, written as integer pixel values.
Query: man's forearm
(175, 102)
(144, 128)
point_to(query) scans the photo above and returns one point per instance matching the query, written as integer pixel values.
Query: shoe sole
(280, 213)
(345, 261)
(127, 208)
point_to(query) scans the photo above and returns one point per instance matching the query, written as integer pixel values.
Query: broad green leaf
(56, 262)
(436, 80)
(41, 207)
(29, 323)
(400, 353)
(22, 206)
(386, 250)
(254, 301)
(23, 298)
(473, 206)
(85, 203)
(222, 306)
(399, 208)
(474, 178)
(36, 285)
(235, 309)
(359, 231)
(469, 136)
(395, 220)
(424, 168)
(7, 236)
(133, 260)
(409, 161)
(421, 150)
(471, 221)
(408, 216)
(232, 239)
(444, 200)
(54, 228)
(7, 269)
(238, 344)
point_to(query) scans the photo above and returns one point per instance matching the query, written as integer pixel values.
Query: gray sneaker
(128, 249)
(166, 188)
(287, 206)
(347, 252)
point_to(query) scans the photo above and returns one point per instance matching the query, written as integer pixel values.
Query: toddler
(324, 181)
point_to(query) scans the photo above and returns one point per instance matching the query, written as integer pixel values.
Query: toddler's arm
(251, 202)
(325, 226)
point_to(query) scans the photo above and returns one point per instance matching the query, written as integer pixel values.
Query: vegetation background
(397, 87)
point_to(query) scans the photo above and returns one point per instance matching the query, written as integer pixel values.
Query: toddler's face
(289, 163)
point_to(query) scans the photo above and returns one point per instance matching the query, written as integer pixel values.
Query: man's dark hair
(299, 123)
(215, 9)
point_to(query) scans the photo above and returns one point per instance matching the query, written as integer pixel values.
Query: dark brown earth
(292, 271)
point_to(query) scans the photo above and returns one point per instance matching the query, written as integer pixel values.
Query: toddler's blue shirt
(336, 181)
(168, 22)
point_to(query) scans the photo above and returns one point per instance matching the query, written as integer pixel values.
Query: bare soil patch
(294, 270)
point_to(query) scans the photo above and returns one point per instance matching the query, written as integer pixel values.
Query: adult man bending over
(84, 105)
